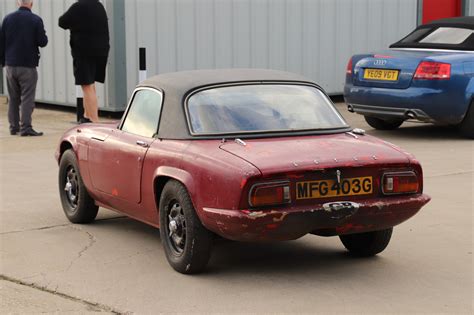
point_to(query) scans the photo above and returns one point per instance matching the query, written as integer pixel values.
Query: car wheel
(187, 243)
(78, 206)
(467, 125)
(383, 124)
(367, 244)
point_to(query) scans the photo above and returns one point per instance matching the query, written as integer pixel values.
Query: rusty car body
(249, 155)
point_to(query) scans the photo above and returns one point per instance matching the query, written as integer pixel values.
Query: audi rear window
(447, 35)
(439, 36)
(416, 35)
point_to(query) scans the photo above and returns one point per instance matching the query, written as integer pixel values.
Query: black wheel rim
(71, 187)
(176, 227)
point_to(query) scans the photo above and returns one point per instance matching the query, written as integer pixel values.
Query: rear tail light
(349, 67)
(269, 194)
(400, 183)
(429, 70)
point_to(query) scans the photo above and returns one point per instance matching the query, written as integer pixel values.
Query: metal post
(1, 80)
(142, 65)
(465, 8)
(79, 103)
(420, 12)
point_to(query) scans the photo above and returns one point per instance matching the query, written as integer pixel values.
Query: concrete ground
(117, 265)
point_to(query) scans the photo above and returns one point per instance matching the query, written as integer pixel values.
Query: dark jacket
(21, 33)
(87, 21)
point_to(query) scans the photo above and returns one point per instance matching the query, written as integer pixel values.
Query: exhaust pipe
(410, 114)
(350, 108)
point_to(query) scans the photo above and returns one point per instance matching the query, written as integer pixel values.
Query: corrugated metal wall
(311, 37)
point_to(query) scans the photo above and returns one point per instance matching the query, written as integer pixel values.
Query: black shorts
(89, 69)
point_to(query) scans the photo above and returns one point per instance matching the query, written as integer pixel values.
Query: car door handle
(142, 143)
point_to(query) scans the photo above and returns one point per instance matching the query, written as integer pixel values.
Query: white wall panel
(471, 7)
(205, 39)
(311, 37)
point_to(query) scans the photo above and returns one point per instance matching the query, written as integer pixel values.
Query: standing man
(21, 33)
(87, 21)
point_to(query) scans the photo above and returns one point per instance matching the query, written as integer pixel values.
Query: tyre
(187, 243)
(467, 125)
(383, 124)
(78, 206)
(367, 244)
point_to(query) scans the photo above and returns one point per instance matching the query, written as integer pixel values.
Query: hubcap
(71, 187)
(176, 227)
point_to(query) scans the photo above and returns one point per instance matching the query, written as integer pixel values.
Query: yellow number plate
(381, 74)
(330, 188)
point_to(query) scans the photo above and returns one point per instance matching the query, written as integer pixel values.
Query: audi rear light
(429, 70)
(269, 194)
(349, 67)
(400, 183)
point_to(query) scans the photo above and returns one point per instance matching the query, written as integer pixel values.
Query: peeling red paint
(293, 223)
(283, 215)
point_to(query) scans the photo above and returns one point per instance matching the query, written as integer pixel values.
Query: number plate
(381, 74)
(329, 188)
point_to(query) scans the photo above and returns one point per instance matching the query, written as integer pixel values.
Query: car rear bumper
(390, 112)
(289, 224)
(423, 103)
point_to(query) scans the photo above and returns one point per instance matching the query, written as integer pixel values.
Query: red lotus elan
(246, 154)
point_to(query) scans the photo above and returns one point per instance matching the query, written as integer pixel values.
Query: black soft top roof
(463, 21)
(177, 86)
(459, 22)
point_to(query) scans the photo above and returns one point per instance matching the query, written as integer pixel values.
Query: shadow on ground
(309, 254)
(420, 131)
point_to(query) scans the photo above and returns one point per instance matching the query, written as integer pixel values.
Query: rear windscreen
(257, 108)
(439, 37)
(447, 35)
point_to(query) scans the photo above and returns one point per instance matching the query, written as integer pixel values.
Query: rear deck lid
(391, 68)
(294, 154)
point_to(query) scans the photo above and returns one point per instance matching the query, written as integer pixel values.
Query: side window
(144, 113)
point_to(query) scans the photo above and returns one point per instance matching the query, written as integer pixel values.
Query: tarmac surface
(117, 265)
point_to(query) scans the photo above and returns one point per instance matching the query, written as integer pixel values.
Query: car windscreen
(261, 108)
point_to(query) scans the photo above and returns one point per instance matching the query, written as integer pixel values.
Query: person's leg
(91, 109)
(86, 112)
(28, 77)
(14, 93)
(82, 75)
